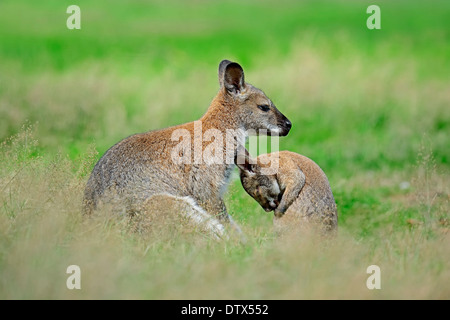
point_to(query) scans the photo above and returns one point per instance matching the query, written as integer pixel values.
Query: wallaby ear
(223, 64)
(233, 78)
(244, 161)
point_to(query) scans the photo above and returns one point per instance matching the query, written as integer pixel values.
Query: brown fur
(299, 192)
(165, 215)
(141, 166)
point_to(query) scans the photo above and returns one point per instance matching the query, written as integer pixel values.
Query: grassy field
(371, 107)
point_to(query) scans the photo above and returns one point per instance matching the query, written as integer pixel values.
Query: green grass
(370, 107)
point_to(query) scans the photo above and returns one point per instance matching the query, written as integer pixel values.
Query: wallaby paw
(279, 213)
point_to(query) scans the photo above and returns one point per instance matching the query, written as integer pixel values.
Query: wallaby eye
(264, 107)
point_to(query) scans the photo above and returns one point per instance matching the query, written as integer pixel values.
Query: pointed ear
(244, 161)
(223, 64)
(233, 78)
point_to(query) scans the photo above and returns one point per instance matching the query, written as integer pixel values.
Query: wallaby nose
(288, 124)
(286, 127)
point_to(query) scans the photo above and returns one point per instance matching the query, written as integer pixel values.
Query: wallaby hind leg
(216, 207)
(167, 215)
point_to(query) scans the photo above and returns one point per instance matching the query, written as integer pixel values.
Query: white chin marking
(274, 130)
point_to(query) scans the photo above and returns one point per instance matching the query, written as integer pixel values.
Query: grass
(370, 107)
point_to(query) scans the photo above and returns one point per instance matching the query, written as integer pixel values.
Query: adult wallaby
(298, 190)
(166, 162)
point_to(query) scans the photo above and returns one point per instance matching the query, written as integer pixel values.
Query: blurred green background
(74, 81)
(371, 107)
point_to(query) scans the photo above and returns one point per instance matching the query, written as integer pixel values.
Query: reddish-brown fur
(141, 165)
(299, 191)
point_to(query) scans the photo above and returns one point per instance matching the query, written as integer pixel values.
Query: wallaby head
(253, 108)
(261, 187)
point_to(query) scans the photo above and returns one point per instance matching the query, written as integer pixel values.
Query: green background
(371, 107)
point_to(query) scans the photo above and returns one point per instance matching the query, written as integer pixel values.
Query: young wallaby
(299, 190)
(165, 160)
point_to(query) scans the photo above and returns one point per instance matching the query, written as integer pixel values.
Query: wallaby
(298, 191)
(165, 160)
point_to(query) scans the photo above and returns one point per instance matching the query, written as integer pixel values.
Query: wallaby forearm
(292, 182)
